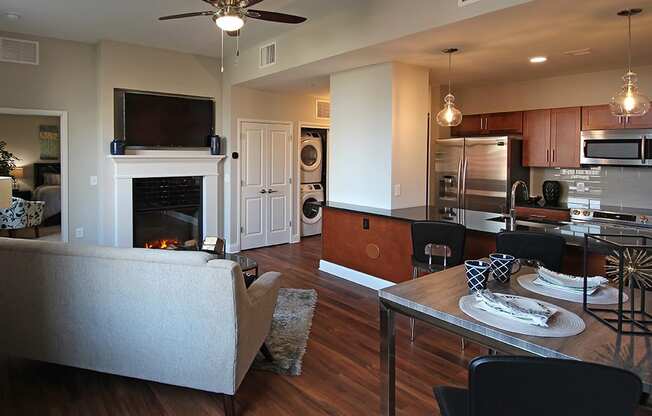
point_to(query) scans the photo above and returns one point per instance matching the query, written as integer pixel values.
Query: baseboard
(295, 239)
(354, 276)
(232, 248)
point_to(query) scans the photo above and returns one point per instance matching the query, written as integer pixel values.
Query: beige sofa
(181, 318)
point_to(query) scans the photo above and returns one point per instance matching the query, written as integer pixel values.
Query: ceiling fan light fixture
(229, 23)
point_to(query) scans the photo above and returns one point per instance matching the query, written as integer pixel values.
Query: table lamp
(17, 173)
(5, 192)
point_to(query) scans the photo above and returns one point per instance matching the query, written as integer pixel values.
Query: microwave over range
(616, 147)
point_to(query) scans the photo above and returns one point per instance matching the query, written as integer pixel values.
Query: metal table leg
(387, 362)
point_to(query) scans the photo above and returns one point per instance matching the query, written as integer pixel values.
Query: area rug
(288, 337)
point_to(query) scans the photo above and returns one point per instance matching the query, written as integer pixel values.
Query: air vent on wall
(19, 51)
(323, 109)
(268, 55)
(463, 3)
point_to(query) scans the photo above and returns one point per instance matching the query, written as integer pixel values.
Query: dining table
(434, 299)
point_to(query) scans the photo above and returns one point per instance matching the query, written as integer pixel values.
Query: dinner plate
(562, 324)
(606, 295)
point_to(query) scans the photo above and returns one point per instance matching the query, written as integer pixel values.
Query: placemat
(604, 296)
(562, 324)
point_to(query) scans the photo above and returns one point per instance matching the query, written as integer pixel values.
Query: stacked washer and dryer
(312, 162)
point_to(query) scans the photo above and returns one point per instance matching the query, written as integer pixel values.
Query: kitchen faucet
(512, 207)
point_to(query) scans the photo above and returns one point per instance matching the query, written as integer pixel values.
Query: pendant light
(449, 116)
(629, 102)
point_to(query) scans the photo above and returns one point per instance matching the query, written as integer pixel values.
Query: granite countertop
(485, 222)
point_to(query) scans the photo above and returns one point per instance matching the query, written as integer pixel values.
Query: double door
(551, 138)
(486, 124)
(266, 166)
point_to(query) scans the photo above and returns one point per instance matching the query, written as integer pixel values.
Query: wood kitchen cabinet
(485, 124)
(551, 137)
(599, 117)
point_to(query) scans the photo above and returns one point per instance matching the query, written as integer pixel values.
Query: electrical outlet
(397, 190)
(93, 181)
(79, 232)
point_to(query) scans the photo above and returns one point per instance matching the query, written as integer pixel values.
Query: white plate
(604, 296)
(562, 324)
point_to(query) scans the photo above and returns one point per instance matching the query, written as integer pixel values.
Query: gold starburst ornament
(637, 267)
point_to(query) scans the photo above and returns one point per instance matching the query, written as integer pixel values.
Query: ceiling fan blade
(253, 2)
(234, 33)
(181, 16)
(275, 17)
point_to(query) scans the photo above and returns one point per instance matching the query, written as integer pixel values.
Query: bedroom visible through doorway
(31, 144)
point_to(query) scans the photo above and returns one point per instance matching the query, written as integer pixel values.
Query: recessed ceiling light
(11, 16)
(538, 59)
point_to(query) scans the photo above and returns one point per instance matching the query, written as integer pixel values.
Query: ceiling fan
(229, 15)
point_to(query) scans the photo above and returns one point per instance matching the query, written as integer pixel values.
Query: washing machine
(311, 158)
(311, 214)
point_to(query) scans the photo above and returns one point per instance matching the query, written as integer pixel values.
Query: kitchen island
(373, 246)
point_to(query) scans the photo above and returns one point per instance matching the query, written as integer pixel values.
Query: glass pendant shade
(629, 102)
(449, 116)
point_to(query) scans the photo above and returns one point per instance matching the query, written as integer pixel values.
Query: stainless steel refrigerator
(476, 173)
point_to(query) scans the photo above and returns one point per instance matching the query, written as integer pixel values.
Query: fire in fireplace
(167, 212)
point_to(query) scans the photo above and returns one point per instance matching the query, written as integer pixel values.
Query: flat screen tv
(158, 120)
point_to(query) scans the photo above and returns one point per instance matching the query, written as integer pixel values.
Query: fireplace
(167, 212)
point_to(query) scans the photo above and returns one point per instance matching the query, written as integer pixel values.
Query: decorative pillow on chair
(51, 179)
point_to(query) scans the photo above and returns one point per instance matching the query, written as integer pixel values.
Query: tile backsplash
(599, 185)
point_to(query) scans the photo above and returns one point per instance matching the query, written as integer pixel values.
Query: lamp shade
(5, 192)
(18, 173)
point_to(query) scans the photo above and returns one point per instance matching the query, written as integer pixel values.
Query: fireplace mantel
(157, 164)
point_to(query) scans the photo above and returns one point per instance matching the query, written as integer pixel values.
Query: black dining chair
(547, 249)
(532, 386)
(436, 245)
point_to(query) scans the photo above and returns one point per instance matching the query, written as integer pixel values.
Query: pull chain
(222, 52)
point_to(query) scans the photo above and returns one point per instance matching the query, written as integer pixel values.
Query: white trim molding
(63, 157)
(363, 279)
(162, 165)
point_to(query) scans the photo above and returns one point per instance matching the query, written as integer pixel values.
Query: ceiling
(135, 21)
(495, 47)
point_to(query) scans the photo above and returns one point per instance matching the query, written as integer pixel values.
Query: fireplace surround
(129, 168)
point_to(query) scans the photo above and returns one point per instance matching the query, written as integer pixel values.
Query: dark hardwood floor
(340, 369)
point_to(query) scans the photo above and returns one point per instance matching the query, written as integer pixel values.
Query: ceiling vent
(323, 109)
(268, 55)
(19, 51)
(463, 3)
(578, 52)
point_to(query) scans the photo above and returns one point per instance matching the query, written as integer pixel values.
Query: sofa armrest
(266, 286)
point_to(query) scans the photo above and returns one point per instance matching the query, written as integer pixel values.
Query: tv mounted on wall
(153, 120)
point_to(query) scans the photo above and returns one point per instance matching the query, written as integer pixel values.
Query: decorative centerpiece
(628, 264)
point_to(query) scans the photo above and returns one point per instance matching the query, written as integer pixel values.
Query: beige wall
(247, 103)
(21, 133)
(411, 105)
(65, 81)
(139, 68)
(591, 88)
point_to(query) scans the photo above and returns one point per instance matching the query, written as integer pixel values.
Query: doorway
(39, 141)
(266, 183)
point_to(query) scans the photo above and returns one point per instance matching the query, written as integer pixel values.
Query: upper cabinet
(599, 117)
(485, 124)
(551, 138)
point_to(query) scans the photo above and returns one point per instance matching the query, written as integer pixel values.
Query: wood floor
(340, 370)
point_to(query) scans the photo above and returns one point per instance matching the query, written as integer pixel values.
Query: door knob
(271, 191)
(263, 191)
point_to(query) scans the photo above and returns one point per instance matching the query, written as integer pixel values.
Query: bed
(47, 188)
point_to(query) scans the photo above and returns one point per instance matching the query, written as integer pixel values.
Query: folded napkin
(564, 281)
(520, 309)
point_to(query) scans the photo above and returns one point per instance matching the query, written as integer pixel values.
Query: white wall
(360, 145)
(65, 81)
(21, 133)
(139, 68)
(411, 105)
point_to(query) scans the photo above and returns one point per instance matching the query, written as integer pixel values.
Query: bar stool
(436, 245)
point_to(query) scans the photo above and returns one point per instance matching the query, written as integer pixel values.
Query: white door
(266, 188)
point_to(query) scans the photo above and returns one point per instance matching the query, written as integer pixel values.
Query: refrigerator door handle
(459, 184)
(466, 165)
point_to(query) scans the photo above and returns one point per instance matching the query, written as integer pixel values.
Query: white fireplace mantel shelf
(162, 164)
